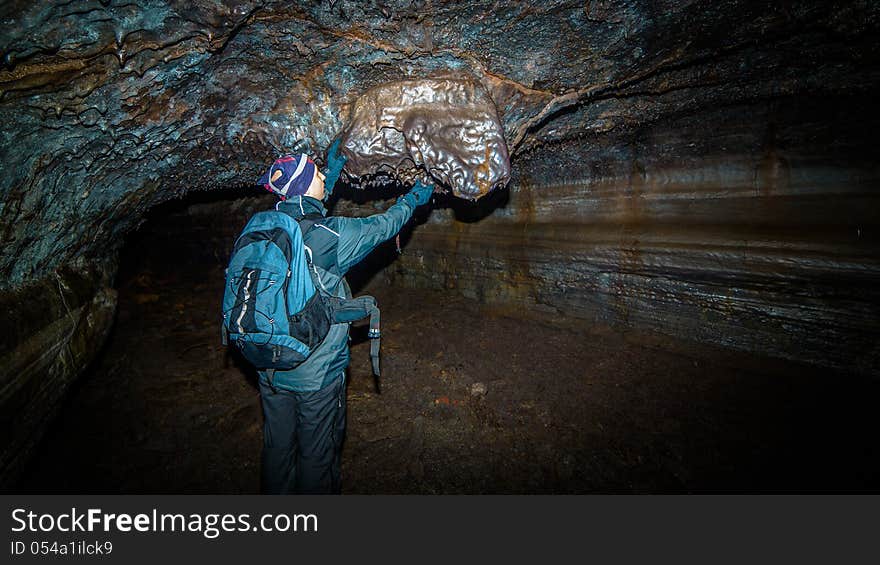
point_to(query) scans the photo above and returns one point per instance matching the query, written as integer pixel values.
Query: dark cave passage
(670, 281)
(475, 398)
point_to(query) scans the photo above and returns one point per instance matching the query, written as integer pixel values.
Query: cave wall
(55, 325)
(745, 234)
(704, 167)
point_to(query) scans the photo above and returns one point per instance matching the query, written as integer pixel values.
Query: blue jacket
(337, 243)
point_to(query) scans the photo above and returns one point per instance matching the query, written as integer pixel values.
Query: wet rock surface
(444, 130)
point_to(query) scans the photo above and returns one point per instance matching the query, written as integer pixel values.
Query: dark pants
(302, 439)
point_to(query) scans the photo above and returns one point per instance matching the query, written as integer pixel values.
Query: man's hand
(335, 162)
(419, 194)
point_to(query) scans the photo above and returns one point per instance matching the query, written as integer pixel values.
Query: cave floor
(474, 399)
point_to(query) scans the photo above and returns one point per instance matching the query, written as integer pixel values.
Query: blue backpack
(272, 310)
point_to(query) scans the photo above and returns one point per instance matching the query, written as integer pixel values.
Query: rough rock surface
(113, 107)
(706, 168)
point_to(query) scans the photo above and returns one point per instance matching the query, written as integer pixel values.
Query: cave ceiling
(110, 108)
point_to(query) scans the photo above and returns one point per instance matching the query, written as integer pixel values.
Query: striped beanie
(297, 172)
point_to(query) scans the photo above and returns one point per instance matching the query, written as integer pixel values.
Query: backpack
(273, 308)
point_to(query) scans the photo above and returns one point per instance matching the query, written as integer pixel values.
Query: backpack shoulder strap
(307, 222)
(269, 226)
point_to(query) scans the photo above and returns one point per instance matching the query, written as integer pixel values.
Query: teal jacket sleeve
(359, 236)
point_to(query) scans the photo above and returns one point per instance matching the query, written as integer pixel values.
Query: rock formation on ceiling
(446, 130)
(705, 166)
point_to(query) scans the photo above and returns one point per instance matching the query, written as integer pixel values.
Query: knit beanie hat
(297, 172)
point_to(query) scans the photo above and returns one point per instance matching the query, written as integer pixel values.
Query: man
(304, 408)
